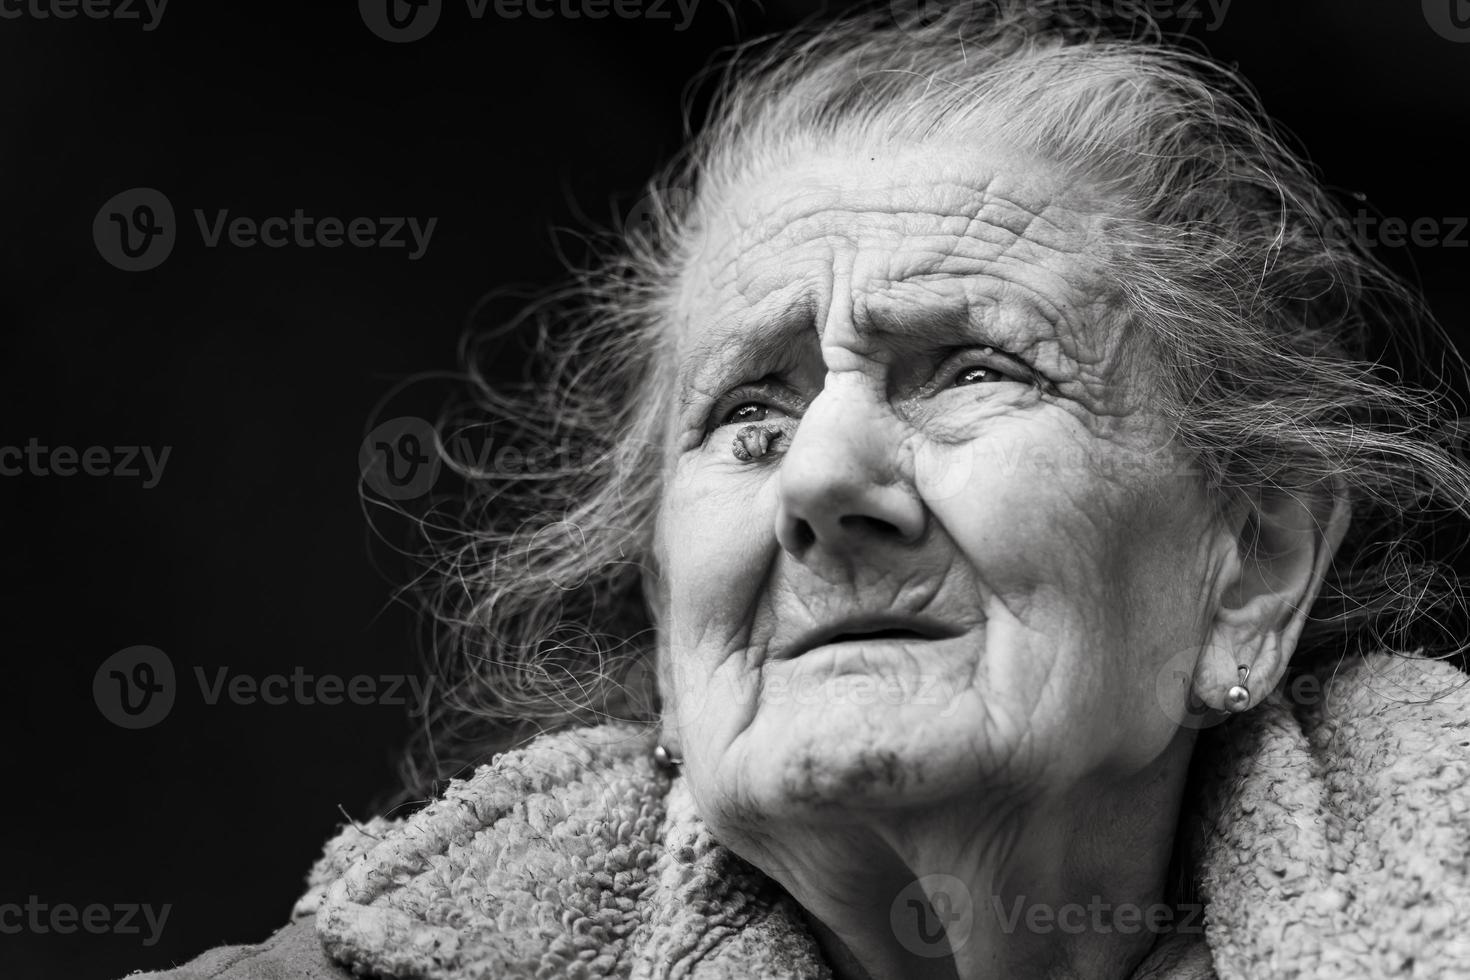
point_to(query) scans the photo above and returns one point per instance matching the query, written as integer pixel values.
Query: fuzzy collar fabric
(1332, 835)
(1331, 838)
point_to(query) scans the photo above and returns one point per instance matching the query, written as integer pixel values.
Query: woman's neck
(1055, 889)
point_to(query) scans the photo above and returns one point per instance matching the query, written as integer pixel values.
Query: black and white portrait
(695, 489)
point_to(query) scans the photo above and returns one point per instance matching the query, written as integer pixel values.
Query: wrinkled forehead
(876, 243)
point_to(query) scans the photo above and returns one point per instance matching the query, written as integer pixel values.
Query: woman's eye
(978, 374)
(758, 401)
(989, 372)
(746, 412)
(748, 404)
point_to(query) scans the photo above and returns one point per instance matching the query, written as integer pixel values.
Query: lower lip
(885, 641)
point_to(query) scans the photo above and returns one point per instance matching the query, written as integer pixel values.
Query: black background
(261, 367)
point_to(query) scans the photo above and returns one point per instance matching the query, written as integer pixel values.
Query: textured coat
(1331, 839)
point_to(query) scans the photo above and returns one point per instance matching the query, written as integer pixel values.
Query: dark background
(261, 368)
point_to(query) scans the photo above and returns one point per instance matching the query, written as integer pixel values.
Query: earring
(754, 440)
(1239, 696)
(665, 759)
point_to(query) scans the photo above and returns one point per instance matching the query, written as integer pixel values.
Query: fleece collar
(1331, 839)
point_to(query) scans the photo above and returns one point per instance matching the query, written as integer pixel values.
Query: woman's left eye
(970, 372)
(976, 374)
(747, 412)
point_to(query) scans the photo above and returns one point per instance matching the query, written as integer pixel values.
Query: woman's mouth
(869, 629)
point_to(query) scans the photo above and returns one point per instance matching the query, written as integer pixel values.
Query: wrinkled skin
(965, 436)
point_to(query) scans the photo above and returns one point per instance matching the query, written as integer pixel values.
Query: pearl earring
(1239, 696)
(665, 759)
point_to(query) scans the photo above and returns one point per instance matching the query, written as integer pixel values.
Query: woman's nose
(841, 483)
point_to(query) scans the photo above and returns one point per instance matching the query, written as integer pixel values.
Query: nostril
(866, 522)
(844, 518)
(804, 534)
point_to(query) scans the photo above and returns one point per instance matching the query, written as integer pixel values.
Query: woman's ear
(656, 601)
(1284, 542)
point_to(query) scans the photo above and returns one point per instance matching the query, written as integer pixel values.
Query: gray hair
(1230, 264)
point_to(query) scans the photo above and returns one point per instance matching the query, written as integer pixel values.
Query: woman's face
(970, 553)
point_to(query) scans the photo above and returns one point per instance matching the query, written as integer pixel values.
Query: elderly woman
(991, 479)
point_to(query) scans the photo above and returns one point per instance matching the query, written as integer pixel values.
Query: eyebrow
(743, 351)
(755, 344)
(938, 325)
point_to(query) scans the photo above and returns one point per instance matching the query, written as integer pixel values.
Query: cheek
(1030, 516)
(717, 534)
(716, 546)
(1090, 573)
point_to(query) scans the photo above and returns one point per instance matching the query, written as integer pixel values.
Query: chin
(824, 764)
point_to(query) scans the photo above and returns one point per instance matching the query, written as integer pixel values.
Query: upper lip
(857, 626)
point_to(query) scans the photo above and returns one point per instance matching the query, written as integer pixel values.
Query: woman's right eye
(751, 403)
(746, 412)
(774, 398)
